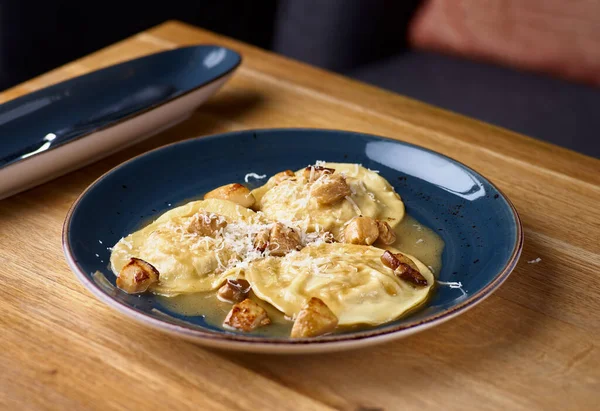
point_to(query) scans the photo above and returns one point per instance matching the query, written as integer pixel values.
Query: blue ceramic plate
(479, 225)
(65, 126)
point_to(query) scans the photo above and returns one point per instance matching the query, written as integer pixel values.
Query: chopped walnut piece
(330, 189)
(361, 230)
(328, 237)
(282, 240)
(404, 268)
(235, 192)
(313, 173)
(206, 224)
(314, 319)
(136, 276)
(234, 291)
(246, 316)
(386, 234)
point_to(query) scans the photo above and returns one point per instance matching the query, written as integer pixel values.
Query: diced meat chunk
(361, 230)
(282, 240)
(282, 176)
(246, 316)
(330, 189)
(234, 291)
(386, 235)
(206, 224)
(404, 268)
(137, 276)
(314, 319)
(313, 173)
(235, 192)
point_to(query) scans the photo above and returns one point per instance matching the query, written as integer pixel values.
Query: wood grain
(532, 345)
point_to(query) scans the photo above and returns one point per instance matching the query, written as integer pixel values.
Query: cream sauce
(409, 233)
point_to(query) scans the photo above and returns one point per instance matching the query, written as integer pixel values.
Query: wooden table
(531, 345)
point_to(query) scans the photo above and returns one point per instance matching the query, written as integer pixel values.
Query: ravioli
(299, 245)
(187, 262)
(350, 279)
(290, 200)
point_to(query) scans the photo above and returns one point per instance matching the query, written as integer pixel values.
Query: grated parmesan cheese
(354, 205)
(454, 285)
(127, 243)
(537, 260)
(255, 176)
(451, 284)
(236, 240)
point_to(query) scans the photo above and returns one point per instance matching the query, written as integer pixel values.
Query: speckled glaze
(479, 225)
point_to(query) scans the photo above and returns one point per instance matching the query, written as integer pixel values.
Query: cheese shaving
(454, 285)
(451, 284)
(255, 176)
(354, 205)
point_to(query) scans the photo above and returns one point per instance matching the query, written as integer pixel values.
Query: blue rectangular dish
(65, 126)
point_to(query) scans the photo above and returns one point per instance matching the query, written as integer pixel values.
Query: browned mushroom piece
(404, 268)
(410, 275)
(246, 316)
(137, 276)
(313, 173)
(261, 240)
(389, 260)
(282, 176)
(386, 234)
(206, 224)
(235, 192)
(234, 291)
(330, 189)
(361, 230)
(314, 319)
(282, 240)
(405, 260)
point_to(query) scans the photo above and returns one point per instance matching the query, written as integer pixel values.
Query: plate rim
(134, 114)
(336, 341)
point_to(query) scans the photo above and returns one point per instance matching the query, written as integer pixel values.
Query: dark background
(364, 39)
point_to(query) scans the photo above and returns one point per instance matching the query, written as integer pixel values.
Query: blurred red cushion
(552, 36)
